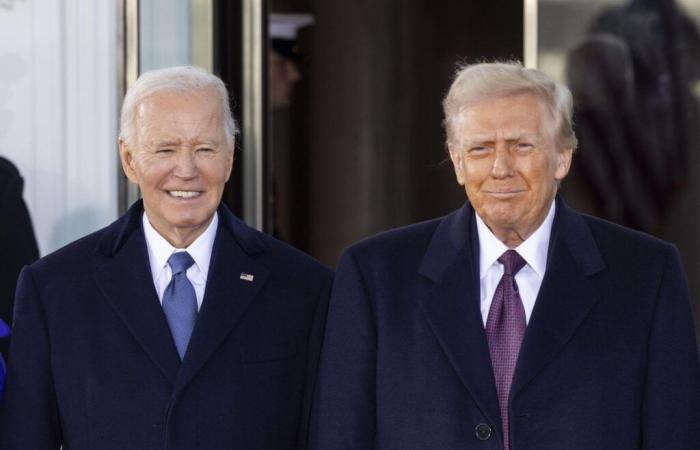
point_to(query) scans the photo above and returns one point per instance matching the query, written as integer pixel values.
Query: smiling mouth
(186, 195)
(503, 194)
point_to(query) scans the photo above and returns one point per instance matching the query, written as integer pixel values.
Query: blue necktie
(180, 301)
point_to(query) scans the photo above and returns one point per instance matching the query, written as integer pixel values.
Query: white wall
(58, 112)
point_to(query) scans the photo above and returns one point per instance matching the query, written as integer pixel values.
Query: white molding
(253, 113)
(530, 32)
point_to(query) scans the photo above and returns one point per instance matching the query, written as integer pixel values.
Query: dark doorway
(360, 148)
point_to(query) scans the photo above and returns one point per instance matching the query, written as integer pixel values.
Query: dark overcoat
(17, 242)
(608, 361)
(93, 365)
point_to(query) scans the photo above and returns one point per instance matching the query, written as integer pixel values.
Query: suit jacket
(93, 364)
(608, 361)
(17, 243)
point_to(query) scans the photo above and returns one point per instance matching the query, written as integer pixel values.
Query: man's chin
(502, 211)
(189, 220)
(190, 223)
(501, 219)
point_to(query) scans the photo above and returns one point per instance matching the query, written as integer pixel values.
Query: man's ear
(457, 161)
(127, 158)
(232, 159)
(563, 162)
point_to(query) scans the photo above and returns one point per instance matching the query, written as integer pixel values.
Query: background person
(283, 55)
(284, 74)
(17, 242)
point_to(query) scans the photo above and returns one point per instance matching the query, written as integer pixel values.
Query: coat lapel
(123, 275)
(452, 307)
(565, 297)
(234, 279)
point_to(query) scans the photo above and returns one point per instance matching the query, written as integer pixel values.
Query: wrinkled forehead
(503, 116)
(183, 115)
(488, 114)
(202, 103)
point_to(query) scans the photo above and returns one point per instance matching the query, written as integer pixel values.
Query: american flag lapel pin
(247, 277)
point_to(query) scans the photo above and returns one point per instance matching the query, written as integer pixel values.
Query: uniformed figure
(18, 245)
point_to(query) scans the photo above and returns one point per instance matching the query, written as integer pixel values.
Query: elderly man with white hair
(514, 322)
(176, 327)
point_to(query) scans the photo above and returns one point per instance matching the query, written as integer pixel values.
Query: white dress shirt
(159, 250)
(533, 250)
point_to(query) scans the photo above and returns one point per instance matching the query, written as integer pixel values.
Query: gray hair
(475, 82)
(173, 79)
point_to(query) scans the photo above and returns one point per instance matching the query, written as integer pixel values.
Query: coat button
(483, 432)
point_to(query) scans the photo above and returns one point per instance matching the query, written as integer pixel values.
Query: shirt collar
(533, 249)
(159, 249)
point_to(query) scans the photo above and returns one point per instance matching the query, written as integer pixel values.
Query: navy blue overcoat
(93, 366)
(608, 362)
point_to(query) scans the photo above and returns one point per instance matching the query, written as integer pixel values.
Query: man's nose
(185, 164)
(502, 162)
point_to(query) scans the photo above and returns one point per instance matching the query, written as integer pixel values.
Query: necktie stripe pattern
(505, 328)
(180, 301)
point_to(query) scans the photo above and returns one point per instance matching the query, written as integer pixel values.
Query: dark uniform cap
(283, 29)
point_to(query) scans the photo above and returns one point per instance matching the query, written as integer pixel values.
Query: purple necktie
(505, 328)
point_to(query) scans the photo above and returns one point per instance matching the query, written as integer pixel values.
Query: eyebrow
(484, 139)
(177, 142)
(166, 143)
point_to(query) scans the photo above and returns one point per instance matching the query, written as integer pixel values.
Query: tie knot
(180, 261)
(512, 262)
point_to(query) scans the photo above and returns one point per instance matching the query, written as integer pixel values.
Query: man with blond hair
(514, 323)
